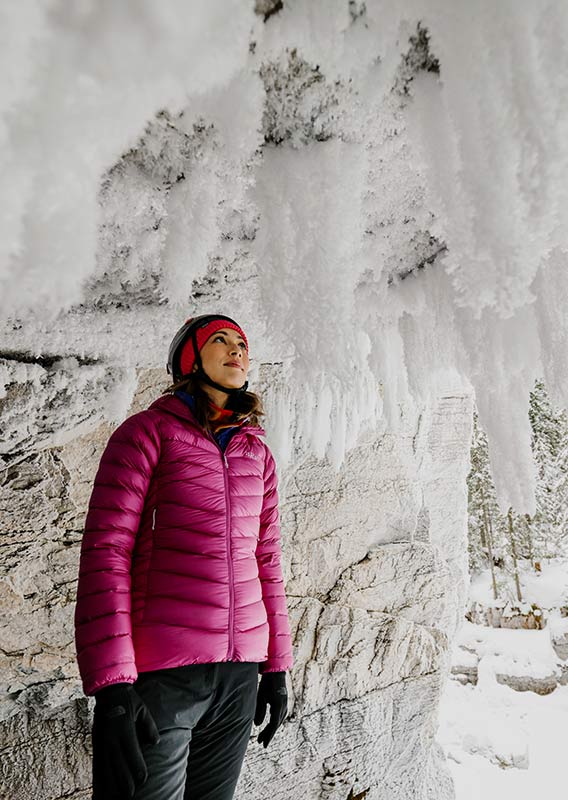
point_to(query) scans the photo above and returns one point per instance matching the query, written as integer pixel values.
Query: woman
(180, 600)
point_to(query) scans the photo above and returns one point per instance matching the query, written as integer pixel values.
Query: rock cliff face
(376, 580)
(374, 553)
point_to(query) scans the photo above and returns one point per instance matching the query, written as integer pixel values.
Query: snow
(96, 74)
(475, 157)
(501, 742)
(506, 744)
(507, 651)
(548, 589)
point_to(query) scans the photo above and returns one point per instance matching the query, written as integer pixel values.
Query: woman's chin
(235, 383)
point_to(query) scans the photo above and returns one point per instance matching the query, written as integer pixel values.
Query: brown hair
(243, 404)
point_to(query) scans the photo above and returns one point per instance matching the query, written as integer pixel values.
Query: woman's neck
(215, 396)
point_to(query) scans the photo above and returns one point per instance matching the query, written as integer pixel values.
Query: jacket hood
(171, 404)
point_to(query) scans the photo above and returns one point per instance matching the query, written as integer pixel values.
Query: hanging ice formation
(408, 218)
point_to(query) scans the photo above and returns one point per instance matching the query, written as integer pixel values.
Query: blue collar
(186, 397)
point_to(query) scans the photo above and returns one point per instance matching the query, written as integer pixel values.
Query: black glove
(121, 724)
(272, 691)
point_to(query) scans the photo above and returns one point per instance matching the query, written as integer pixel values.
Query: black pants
(204, 714)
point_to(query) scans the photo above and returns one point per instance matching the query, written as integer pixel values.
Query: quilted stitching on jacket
(180, 557)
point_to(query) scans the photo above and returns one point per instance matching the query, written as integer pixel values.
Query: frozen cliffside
(377, 193)
(374, 559)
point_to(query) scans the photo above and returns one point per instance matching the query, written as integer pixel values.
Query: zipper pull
(154, 518)
(225, 460)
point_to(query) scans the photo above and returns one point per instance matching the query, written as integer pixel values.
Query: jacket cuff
(274, 666)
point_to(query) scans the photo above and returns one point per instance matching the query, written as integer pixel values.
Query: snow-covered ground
(502, 743)
(548, 589)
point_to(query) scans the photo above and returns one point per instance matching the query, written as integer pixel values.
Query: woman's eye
(220, 336)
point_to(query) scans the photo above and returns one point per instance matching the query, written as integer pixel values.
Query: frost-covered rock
(372, 610)
(504, 614)
(524, 659)
(558, 629)
(339, 177)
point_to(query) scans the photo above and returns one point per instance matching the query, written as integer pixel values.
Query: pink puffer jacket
(180, 558)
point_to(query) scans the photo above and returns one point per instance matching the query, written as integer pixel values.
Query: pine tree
(485, 542)
(513, 546)
(550, 449)
(561, 490)
(502, 541)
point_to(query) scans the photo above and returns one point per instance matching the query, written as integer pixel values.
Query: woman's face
(224, 347)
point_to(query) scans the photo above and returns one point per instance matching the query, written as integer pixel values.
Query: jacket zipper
(154, 518)
(228, 544)
(229, 559)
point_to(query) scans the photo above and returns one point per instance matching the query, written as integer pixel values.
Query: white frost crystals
(328, 225)
(95, 75)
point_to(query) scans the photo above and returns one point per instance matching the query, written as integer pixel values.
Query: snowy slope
(503, 743)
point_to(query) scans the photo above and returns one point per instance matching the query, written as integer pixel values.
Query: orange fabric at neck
(220, 417)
